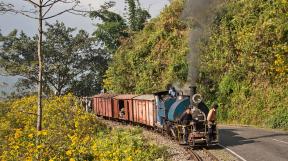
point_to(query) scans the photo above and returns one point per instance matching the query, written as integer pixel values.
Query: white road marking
(241, 158)
(280, 141)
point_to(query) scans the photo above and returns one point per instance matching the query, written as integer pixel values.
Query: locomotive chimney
(192, 92)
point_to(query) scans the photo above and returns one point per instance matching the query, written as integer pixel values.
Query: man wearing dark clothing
(185, 120)
(186, 117)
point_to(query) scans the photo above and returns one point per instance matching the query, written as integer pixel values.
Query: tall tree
(137, 16)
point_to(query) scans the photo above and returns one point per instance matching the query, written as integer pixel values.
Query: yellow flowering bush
(69, 133)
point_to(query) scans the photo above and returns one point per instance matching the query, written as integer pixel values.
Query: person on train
(122, 113)
(172, 92)
(185, 120)
(211, 118)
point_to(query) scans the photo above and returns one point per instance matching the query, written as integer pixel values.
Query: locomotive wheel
(208, 141)
(193, 143)
(173, 133)
(168, 128)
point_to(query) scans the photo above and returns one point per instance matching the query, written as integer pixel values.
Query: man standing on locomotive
(211, 118)
(185, 120)
(172, 92)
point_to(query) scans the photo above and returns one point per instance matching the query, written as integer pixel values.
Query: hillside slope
(243, 62)
(152, 58)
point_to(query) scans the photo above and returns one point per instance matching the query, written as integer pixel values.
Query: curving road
(251, 144)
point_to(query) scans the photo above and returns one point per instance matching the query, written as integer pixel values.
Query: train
(160, 111)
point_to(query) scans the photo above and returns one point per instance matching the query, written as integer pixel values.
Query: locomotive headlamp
(196, 98)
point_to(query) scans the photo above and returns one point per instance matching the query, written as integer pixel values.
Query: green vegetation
(72, 62)
(114, 28)
(244, 63)
(153, 58)
(136, 15)
(69, 134)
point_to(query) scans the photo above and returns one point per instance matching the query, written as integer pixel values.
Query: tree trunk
(40, 31)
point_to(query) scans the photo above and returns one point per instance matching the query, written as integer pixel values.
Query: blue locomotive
(169, 112)
(162, 111)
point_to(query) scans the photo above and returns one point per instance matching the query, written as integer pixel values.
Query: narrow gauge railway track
(197, 157)
(194, 155)
(208, 156)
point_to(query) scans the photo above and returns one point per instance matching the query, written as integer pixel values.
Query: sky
(9, 22)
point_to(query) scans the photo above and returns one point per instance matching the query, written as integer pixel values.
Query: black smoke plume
(199, 15)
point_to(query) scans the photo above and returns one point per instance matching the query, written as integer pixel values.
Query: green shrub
(279, 119)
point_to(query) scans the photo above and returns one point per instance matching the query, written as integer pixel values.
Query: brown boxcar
(144, 109)
(123, 107)
(103, 105)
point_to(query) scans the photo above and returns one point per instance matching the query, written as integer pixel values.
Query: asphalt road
(251, 144)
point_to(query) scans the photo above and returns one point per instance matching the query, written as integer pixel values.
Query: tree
(43, 9)
(70, 58)
(18, 57)
(115, 29)
(112, 29)
(5, 7)
(73, 60)
(136, 15)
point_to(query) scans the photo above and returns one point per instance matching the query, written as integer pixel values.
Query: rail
(194, 155)
(210, 155)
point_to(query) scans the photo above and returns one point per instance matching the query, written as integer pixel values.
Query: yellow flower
(30, 135)
(69, 152)
(40, 146)
(86, 139)
(129, 158)
(16, 147)
(17, 134)
(76, 124)
(71, 159)
(28, 159)
(45, 132)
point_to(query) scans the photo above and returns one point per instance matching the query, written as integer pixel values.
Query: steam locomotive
(160, 111)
